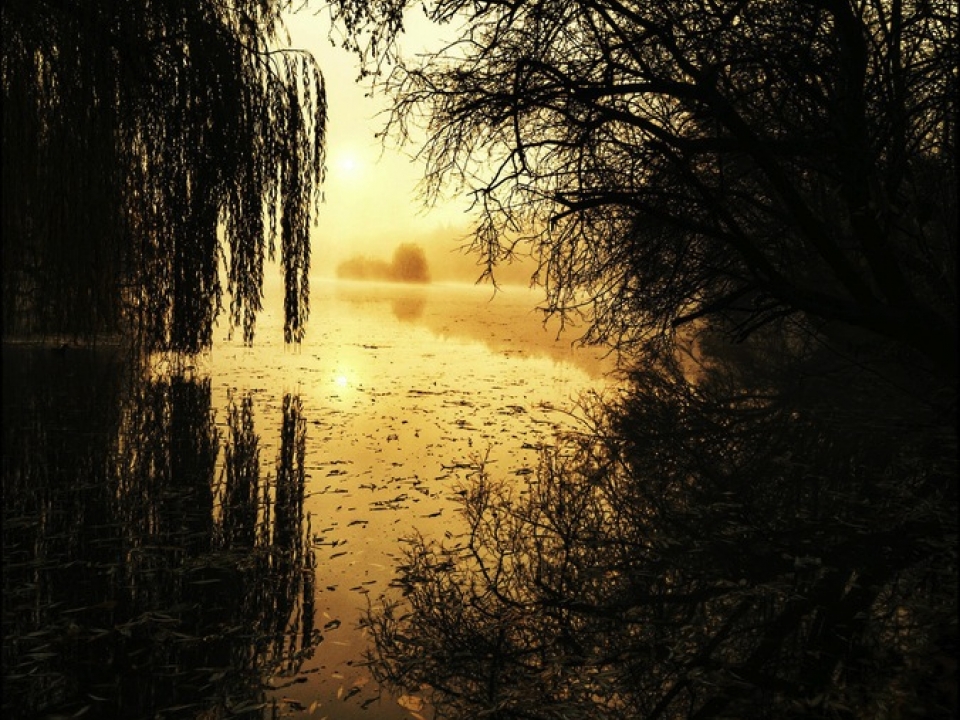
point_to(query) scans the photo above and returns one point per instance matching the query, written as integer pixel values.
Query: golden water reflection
(255, 502)
(406, 389)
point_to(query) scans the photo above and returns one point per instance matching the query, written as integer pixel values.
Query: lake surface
(203, 539)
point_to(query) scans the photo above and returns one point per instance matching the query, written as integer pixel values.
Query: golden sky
(371, 190)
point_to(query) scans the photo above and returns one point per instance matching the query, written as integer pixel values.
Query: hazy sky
(371, 198)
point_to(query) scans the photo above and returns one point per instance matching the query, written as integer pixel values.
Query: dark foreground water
(200, 541)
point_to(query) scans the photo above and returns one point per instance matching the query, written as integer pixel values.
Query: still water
(201, 540)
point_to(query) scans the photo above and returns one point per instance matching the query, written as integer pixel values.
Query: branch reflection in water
(150, 568)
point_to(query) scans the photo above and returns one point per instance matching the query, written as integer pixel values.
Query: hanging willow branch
(147, 145)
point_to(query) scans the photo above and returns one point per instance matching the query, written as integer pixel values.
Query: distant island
(409, 265)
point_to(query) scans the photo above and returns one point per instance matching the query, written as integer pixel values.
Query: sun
(348, 165)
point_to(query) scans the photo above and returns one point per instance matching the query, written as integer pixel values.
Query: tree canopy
(669, 161)
(145, 145)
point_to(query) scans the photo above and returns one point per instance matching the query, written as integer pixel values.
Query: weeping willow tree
(153, 153)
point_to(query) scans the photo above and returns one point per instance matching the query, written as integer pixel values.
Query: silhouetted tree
(770, 531)
(145, 144)
(709, 550)
(670, 161)
(409, 264)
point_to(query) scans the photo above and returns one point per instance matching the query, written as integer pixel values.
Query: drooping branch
(779, 132)
(149, 144)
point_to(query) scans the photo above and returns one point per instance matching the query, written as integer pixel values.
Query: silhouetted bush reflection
(774, 540)
(142, 578)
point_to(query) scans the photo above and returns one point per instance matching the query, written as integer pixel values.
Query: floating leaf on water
(410, 702)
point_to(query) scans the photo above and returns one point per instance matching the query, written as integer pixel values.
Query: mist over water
(408, 265)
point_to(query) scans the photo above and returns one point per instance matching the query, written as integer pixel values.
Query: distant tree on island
(145, 146)
(409, 265)
(361, 267)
